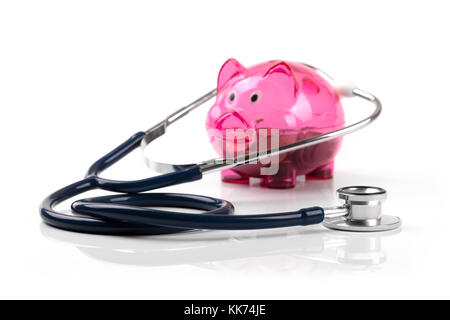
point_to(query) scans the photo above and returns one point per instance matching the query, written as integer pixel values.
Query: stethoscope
(128, 212)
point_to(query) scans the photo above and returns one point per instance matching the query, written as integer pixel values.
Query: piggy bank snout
(231, 120)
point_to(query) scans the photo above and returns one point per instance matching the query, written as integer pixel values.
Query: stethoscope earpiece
(363, 206)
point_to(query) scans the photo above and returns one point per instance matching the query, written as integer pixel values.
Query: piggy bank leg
(232, 176)
(286, 177)
(324, 172)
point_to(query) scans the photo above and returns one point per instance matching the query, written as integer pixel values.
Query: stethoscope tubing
(128, 214)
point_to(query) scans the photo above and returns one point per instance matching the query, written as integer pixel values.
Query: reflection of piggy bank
(290, 97)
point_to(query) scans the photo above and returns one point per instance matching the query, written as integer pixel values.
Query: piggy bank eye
(232, 96)
(255, 97)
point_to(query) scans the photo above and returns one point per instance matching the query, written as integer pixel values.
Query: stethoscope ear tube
(82, 223)
(218, 216)
(128, 214)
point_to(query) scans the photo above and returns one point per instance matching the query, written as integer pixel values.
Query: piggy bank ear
(230, 69)
(282, 74)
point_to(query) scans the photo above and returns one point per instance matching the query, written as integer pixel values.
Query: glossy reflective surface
(288, 250)
(355, 252)
(67, 66)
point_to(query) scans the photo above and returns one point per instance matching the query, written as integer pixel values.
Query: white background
(79, 77)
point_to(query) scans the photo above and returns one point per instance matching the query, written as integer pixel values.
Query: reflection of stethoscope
(357, 251)
(128, 213)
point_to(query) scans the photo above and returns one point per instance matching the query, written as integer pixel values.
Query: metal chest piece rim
(364, 211)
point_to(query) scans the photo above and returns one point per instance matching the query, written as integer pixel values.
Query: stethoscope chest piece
(364, 211)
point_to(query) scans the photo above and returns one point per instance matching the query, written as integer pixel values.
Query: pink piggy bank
(290, 97)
